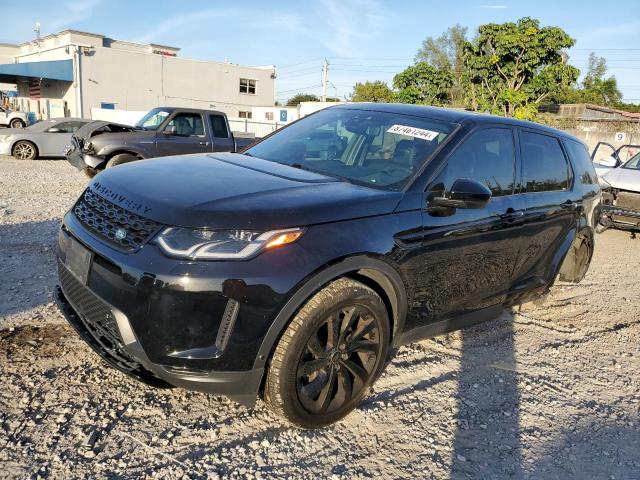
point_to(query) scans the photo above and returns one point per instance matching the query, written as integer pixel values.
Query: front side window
(544, 167)
(247, 86)
(153, 119)
(187, 124)
(377, 149)
(486, 156)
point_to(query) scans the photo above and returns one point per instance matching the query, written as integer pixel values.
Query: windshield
(634, 163)
(377, 149)
(153, 119)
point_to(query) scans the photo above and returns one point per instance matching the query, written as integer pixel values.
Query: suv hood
(236, 191)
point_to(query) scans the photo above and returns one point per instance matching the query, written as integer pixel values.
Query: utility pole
(325, 74)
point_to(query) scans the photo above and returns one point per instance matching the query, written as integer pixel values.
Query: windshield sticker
(421, 133)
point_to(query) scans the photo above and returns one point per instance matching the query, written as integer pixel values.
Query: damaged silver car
(619, 177)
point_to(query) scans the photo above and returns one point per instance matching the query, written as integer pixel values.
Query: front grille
(96, 316)
(112, 223)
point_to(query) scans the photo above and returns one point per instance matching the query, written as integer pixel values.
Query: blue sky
(362, 39)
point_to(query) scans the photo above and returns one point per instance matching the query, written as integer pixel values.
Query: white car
(619, 176)
(9, 118)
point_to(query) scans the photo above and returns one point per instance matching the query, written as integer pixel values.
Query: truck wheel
(120, 159)
(24, 150)
(329, 355)
(16, 123)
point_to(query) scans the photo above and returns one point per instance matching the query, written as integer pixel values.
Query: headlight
(221, 244)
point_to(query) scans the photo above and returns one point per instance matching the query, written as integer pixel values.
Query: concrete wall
(593, 131)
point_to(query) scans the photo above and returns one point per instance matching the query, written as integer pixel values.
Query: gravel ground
(550, 391)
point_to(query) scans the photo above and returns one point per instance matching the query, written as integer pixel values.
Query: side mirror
(465, 193)
(170, 130)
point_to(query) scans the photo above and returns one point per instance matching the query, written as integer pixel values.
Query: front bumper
(80, 160)
(110, 334)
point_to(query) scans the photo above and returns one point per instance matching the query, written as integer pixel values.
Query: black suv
(294, 277)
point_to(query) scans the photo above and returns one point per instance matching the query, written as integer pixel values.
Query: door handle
(569, 205)
(204, 143)
(512, 214)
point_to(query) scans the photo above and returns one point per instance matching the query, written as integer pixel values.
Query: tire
(120, 159)
(315, 377)
(24, 150)
(16, 123)
(577, 261)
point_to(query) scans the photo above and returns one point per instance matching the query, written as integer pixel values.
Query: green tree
(595, 88)
(510, 68)
(423, 83)
(447, 53)
(302, 97)
(376, 91)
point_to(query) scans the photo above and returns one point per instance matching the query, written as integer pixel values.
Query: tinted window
(544, 167)
(486, 156)
(218, 126)
(187, 124)
(378, 149)
(581, 159)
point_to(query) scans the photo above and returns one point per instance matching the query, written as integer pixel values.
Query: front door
(184, 133)
(469, 254)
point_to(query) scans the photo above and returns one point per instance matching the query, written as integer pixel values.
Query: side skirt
(451, 324)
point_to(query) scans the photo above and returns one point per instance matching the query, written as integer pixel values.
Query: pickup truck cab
(161, 132)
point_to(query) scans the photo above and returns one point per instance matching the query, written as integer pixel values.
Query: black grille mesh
(105, 219)
(96, 315)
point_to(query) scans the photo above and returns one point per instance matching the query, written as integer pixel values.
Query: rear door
(469, 254)
(552, 207)
(184, 133)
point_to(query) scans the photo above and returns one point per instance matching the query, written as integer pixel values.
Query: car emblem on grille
(121, 233)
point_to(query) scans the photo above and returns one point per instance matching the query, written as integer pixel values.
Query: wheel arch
(376, 274)
(118, 151)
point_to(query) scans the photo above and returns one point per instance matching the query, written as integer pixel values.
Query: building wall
(140, 81)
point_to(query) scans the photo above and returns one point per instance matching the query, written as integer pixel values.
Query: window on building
(108, 105)
(544, 166)
(268, 115)
(247, 86)
(486, 156)
(218, 126)
(244, 114)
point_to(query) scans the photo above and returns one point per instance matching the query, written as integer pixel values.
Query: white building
(71, 72)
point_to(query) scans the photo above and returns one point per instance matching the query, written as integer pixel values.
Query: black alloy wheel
(329, 355)
(339, 359)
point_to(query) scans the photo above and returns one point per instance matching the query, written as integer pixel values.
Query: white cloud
(494, 7)
(70, 14)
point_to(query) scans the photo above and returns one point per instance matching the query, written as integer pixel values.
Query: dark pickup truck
(161, 132)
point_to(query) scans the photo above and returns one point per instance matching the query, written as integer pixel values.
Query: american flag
(34, 88)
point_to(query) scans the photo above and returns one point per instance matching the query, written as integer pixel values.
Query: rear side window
(218, 126)
(581, 159)
(544, 167)
(486, 156)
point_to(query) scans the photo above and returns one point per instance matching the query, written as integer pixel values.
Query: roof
(450, 115)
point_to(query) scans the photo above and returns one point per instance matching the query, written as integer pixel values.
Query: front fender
(138, 150)
(377, 271)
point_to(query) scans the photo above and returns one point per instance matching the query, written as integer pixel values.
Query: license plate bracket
(78, 260)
